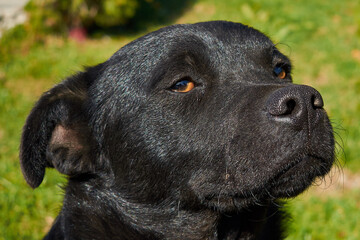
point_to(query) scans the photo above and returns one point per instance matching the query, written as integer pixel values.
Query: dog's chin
(288, 183)
(296, 178)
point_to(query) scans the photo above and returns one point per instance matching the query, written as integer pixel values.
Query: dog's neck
(105, 213)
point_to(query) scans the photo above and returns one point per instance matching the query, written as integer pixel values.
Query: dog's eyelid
(283, 64)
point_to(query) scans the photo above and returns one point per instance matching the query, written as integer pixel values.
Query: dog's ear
(56, 133)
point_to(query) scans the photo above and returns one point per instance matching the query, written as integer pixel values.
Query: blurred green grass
(321, 37)
(318, 217)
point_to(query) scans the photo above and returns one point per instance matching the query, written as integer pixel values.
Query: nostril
(282, 106)
(290, 106)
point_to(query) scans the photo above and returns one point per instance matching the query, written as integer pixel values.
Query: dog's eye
(183, 86)
(280, 72)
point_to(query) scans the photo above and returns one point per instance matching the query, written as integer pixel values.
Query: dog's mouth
(300, 164)
(290, 181)
(299, 175)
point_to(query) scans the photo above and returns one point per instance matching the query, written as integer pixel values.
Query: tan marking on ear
(66, 137)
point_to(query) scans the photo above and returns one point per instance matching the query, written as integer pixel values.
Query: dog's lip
(302, 163)
(288, 169)
(298, 160)
(229, 197)
(290, 166)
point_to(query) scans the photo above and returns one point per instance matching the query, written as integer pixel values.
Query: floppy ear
(56, 133)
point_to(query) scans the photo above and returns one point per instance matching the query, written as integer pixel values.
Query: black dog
(190, 132)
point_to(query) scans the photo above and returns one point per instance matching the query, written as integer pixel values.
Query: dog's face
(202, 114)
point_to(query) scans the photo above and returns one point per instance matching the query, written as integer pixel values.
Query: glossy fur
(144, 162)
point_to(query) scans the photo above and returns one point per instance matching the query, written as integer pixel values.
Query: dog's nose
(295, 104)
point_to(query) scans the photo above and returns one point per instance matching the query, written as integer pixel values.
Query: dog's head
(205, 114)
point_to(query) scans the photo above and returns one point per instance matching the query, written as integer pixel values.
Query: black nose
(295, 104)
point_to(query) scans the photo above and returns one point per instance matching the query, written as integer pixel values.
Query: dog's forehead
(233, 34)
(228, 38)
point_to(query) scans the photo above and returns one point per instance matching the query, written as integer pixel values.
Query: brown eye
(183, 86)
(280, 72)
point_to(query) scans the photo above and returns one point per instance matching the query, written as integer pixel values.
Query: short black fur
(146, 162)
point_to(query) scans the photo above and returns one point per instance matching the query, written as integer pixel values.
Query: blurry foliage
(12, 42)
(57, 16)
